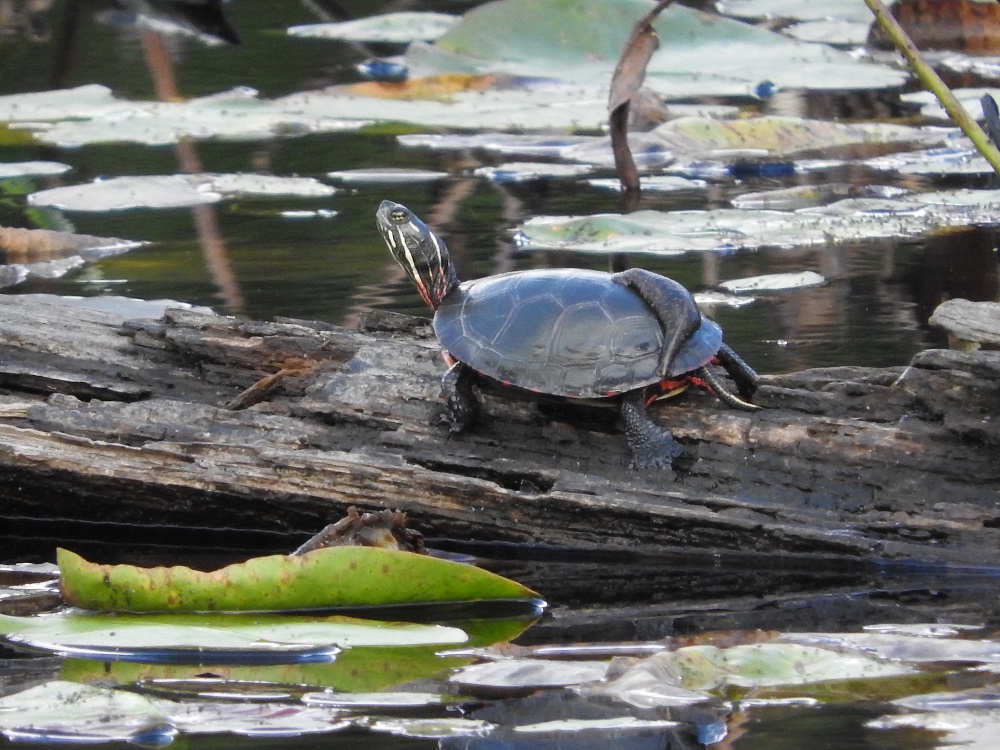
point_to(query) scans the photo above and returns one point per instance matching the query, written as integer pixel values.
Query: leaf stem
(932, 81)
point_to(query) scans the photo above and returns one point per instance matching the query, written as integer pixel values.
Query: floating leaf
(795, 10)
(703, 137)
(654, 184)
(332, 577)
(389, 27)
(700, 53)
(389, 175)
(432, 728)
(375, 700)
(67, 712)
(617, 723)
(174, 191)
(39, 168)
(843, 22)
(675, 232)
(525, 171)
(908, 648)
(214, 638)
(530, 673)
(972, 729)
(773, 282)
(688, 674)
(91, 114)
(61, 711)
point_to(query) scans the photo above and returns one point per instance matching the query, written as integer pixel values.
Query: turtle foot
(653, 447)
(460, 398)
(657, 456)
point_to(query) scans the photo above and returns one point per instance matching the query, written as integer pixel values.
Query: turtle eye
(399, 215)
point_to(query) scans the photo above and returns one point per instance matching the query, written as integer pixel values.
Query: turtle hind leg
(460, 398)
(707, 373)
(652, 446)
(742, 374)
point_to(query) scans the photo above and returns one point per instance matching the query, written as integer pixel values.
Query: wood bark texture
(198, 425)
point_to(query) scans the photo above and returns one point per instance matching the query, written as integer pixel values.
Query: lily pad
(174, 191)
(530, 673)
(236, 637)
(688, 675)
(331, 577)
(61, 711)
(675, 232)
(386, 175)
(773, 282)
(400, 27)
(39, 168)
(67, 712)
(699, 54)
(92, 114)
(526, 171)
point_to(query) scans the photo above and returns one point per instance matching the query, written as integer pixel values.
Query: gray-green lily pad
(690, 674)
(33, 168)
(530, 673)
(386, 175)
(773, 282)
(526, 171)
(431, 728)
(68, 712)
(401, 27)
(675, 232)
(174, 191)
(215, 638)
(699, 53)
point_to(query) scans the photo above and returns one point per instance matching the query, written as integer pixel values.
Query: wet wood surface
(146, 429)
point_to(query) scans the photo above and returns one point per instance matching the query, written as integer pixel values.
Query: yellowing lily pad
(331, 577)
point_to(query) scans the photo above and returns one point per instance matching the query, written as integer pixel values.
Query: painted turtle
(634, 336)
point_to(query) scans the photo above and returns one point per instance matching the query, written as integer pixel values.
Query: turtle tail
(709, 375)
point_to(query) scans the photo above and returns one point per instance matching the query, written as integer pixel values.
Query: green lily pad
(699, 54)
(332, 577)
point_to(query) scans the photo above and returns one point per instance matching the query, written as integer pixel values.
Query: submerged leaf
(331, 577)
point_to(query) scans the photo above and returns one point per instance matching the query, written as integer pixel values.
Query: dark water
(873, 310)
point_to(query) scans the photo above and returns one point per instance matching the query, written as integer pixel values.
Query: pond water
(249, 257)
(321, 258)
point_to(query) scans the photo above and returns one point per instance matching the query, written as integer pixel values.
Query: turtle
(632, 336)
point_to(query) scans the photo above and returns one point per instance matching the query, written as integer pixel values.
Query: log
(196, 429)
(969, 322)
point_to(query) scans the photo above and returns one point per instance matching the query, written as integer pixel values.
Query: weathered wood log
(124, 425)
(969, 322)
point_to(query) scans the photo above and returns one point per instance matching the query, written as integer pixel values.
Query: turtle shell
(565, 332)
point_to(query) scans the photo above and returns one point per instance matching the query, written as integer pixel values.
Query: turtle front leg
(653, 447)
(459, 397)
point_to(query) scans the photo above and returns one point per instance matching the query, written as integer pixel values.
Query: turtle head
(420, 252)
